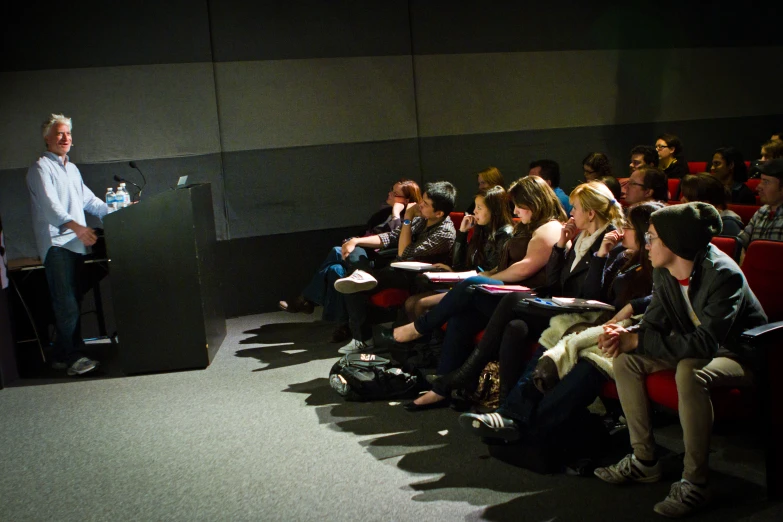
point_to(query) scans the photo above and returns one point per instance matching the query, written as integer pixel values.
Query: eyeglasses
(635, 184)
(659, 147)
(396, 195)
(588, 171)
(648, 238)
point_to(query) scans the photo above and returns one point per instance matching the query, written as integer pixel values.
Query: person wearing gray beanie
(700, 307)
(687, 229)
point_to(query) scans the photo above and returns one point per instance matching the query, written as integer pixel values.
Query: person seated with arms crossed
(595, 212)
(646, 184)
(427, 234)
(643, 156)
(491, 225)
(767, 222)
(595, 166)
(544, 408)
(707, 188)
(320, 291)
(728, 166)
(701, 305)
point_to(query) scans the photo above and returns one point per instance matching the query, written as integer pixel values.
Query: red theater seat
(753, 184)
(729, 245)
(674, 184)
(745, 212)
(694, 167)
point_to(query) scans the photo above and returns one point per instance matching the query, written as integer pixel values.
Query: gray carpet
(259, 435)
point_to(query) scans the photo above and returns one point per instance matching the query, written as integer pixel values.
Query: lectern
(164, 281)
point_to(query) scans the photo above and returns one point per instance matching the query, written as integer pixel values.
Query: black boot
(466, 376)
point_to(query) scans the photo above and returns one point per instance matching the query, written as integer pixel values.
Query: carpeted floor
(259, 435)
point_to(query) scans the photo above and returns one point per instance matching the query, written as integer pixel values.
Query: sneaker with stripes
(629, 469)
(491, 425)
(683, 499)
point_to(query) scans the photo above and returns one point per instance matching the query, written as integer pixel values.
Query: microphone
(123, 180)
(133, 165)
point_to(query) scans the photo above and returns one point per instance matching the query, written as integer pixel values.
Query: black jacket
(492, 249)
(606, 281)
(721, 299)
(560, 279)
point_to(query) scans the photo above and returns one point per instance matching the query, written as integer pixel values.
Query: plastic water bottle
(124, 200)
(111, 200)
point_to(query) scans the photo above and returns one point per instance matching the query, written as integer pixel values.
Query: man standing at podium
(59, 199)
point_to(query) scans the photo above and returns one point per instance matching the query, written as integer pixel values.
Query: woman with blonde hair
(486, 179)
(594, 213)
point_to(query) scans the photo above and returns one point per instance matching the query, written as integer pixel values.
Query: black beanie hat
(688, 228)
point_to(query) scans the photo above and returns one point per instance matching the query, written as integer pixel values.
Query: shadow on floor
(432, 444)
(287, 339)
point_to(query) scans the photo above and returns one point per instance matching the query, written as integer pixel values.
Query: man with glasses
(767, 222)
(700, 307)
(646, 184)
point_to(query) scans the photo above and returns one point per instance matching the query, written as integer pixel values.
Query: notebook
(414, 266)
(449, 277)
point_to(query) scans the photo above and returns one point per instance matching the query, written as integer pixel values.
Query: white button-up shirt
(58, 195)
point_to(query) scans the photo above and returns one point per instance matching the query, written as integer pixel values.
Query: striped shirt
(764, 225)
(426, 242)
(58, 195)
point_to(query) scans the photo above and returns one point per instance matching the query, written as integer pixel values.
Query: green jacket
(721, 299)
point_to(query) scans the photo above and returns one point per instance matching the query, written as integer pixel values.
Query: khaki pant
(695, 378)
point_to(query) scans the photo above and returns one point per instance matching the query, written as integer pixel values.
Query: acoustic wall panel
(277, 191)
(96, 33)
(250, 30)
(289, 103)
(119, 113)
(500, 92)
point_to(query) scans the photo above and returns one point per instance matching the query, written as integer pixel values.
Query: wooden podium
(164, 281)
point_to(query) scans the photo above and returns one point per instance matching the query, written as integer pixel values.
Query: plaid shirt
(427, 242)
(764, 225)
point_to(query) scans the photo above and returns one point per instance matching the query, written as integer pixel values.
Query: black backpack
(367, 377)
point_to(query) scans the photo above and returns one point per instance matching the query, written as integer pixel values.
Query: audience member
(59, 199)
(701, 305)
(596, 165)
(426, 234)
(320, 291)
(643, 156)
(706, 188)
(468, 312)
(646, 184)
(487, 178)
(595, 212)
(728, 166)
(767, 222)
(671, 159)
(772, 150)
(613, 185)
(492, 228)
(549, 170)
(542, 404)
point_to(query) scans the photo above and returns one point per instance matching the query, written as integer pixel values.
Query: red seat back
(694, 167)
(762, 270)
(674, 184)
(456, 218)
(745, 212)
(753, 184)
(728, 245)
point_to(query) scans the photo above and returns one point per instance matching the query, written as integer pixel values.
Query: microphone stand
(133, 165)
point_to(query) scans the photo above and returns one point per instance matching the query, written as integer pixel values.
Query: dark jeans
(63, 273)
(321, 290)
(458, 299)
(357, 304)
(541, 414)
(504, 339)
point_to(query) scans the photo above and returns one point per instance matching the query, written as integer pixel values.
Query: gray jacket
(721, 299)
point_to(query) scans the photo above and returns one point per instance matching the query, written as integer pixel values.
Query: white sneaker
(359, 281)
(82, 366)
(629, 469)
(684, 498)
(356, 346)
